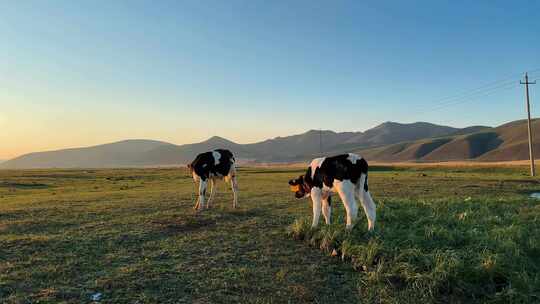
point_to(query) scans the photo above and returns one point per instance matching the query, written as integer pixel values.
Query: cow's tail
(362, 186)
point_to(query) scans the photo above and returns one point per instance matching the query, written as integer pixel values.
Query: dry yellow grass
(513, 163)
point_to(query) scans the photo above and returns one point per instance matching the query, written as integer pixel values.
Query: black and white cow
(211, 166)
(345, 174)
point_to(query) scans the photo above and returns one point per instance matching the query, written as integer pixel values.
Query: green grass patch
(468, 250)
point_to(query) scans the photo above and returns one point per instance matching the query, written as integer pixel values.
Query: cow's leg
(197, 203)
(196, 179)
(234, 187)
(316, 197)
(213, 190)
(202, 193)
(369, 208)
(346, 193)
(327, 207)
(367, 203)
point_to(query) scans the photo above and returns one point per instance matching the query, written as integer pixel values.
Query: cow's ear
(292, 182)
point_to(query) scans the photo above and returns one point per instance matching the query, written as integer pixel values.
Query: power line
(474, 94)
(478, 90)
(320, 143)
(470, 98)
(471, 91)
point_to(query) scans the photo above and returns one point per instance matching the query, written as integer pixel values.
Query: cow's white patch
(217, 157)
(353, 158)
(316, 163)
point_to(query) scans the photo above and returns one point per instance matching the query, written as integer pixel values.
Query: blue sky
(76, 73)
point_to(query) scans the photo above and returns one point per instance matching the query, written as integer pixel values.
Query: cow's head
(299, 187)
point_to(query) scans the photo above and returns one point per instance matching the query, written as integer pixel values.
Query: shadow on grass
(18, 185)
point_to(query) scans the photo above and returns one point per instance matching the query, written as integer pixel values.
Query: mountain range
(390, 142)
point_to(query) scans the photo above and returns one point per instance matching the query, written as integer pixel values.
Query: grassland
(443, 235)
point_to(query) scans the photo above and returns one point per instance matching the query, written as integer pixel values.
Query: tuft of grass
(300, 229)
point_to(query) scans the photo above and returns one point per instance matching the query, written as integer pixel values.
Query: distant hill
(118, 154)
(393, 132)
(297, 147)
(469, 130)
(389, 141)
(183, 154)
(514, 142)
(504, 143)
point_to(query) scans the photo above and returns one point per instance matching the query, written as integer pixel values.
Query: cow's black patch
(204, 164)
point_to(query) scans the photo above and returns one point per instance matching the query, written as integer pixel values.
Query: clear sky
(79, 73)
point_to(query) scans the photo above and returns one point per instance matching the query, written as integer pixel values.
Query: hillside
(183, 154)
(504, 143)
(514, 142)
(392, 132)
(298, 146)
(389, 141)
(280, 149)
(118, 154)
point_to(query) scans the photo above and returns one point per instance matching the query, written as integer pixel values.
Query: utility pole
(320, 142)
(531, 153)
